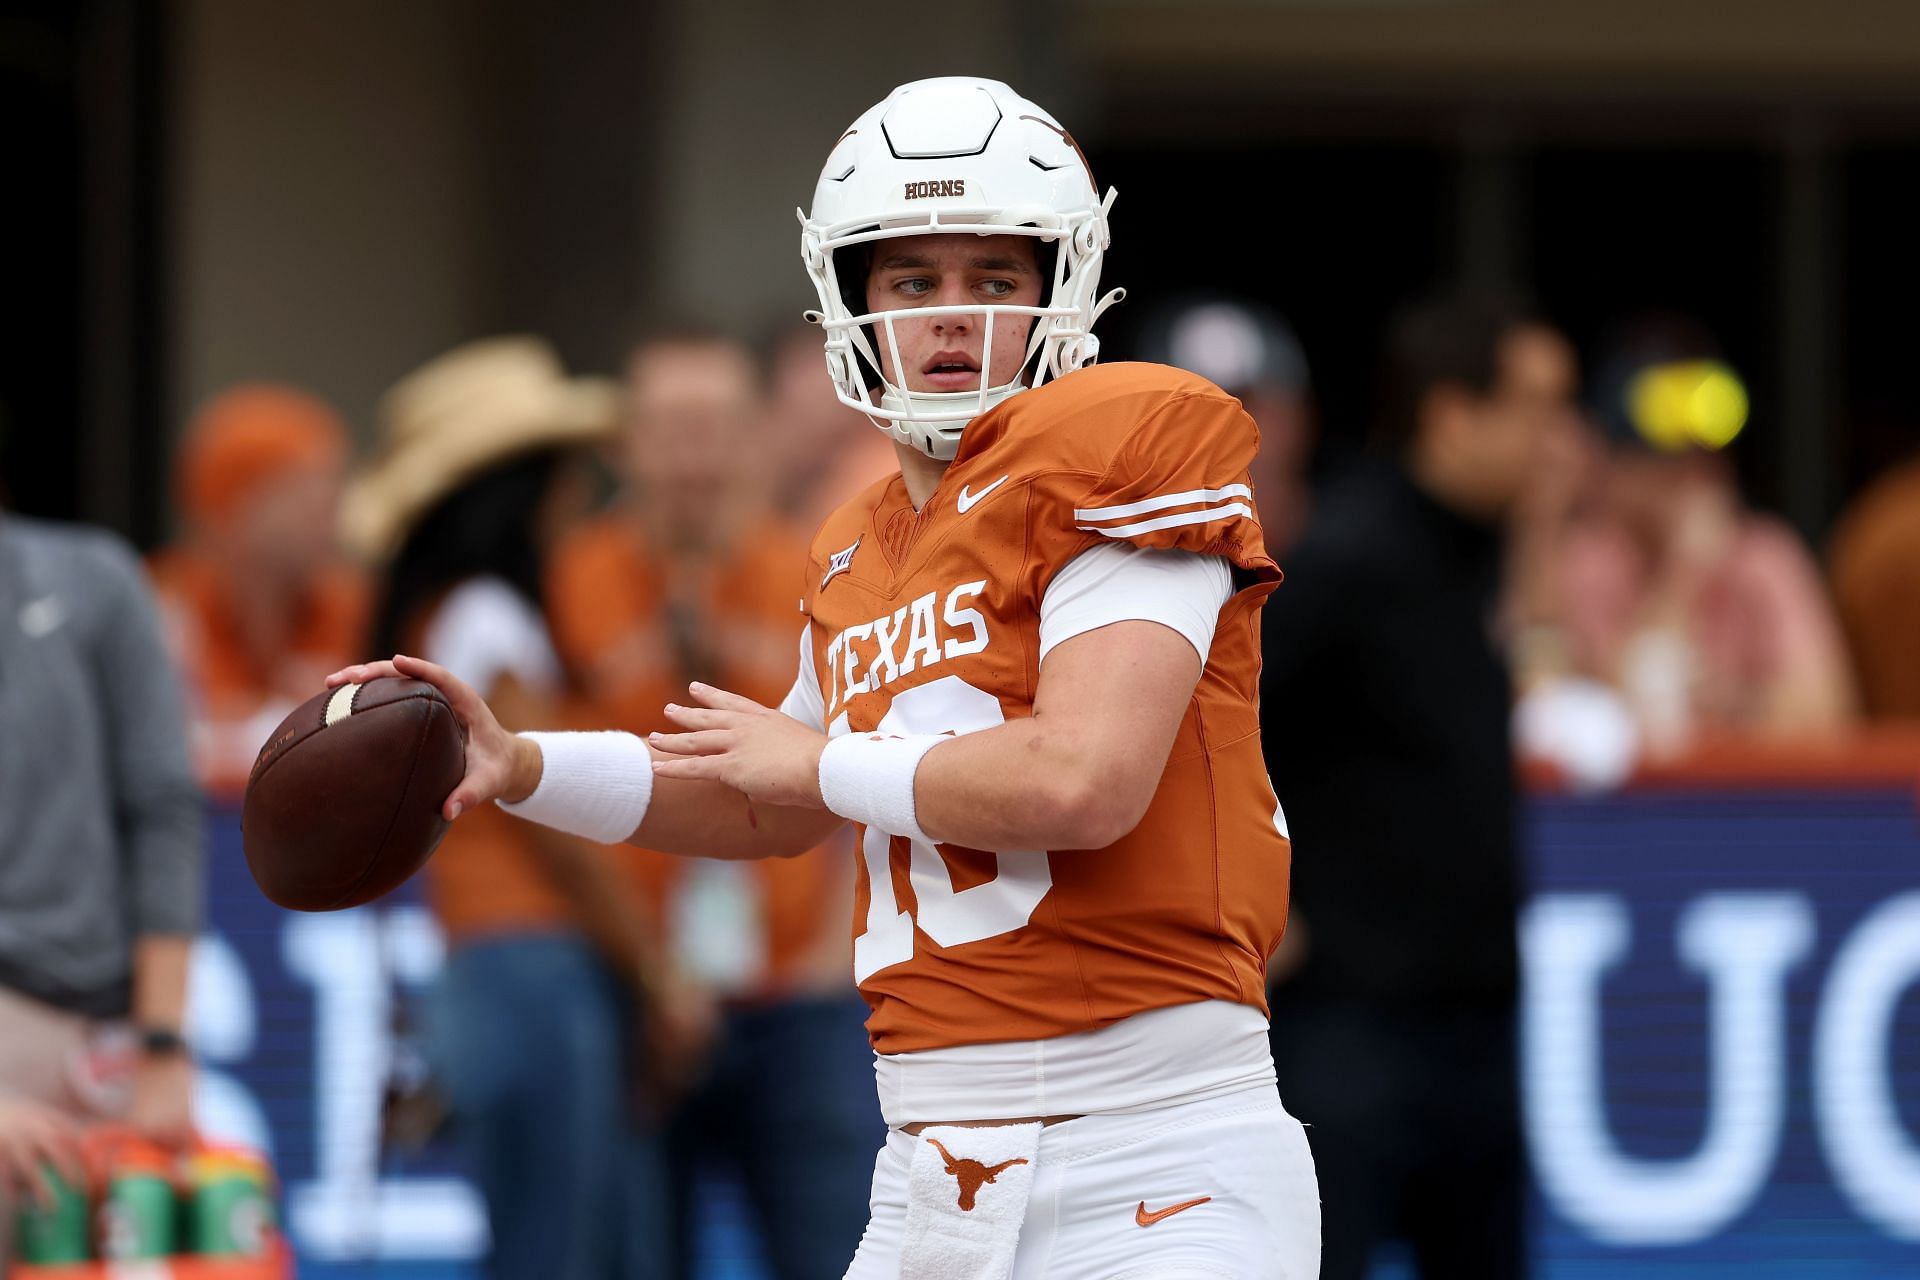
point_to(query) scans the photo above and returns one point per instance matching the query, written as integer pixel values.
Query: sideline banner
(1720, 1040)
(292, 1018)
(1721, 1053)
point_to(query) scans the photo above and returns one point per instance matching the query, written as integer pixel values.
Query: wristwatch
(161, 1042)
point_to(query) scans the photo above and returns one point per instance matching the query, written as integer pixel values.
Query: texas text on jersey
(932, 625)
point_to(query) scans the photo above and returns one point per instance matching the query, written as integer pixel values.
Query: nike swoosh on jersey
(967, 500)
(1146, 1219)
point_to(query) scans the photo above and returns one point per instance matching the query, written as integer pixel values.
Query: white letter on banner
(1874, 1159)
(220, 1026)
(1743, 944)
(349, 1211)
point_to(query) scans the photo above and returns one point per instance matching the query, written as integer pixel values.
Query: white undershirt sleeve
(1121, 582)
(804, 701)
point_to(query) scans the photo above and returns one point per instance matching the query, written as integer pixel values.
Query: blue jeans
(528, 1037)
(789, 1109)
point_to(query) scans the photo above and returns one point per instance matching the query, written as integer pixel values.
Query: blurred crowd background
(474, 328)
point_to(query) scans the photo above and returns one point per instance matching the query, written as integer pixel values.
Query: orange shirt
(928, 622)
(613, 621)
(485, 880)
(491, 876)
(239, 698)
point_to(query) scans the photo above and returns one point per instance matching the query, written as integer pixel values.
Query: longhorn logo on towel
(971, 1174)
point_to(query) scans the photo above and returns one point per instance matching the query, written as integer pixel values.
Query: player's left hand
(769, 756)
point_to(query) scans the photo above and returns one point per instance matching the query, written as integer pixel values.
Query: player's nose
(954, 293)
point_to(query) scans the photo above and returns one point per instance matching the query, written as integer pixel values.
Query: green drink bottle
(232, 1213)
(137, 1217)
(56, 1234)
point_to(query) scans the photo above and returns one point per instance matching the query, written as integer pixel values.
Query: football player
(1027, 671)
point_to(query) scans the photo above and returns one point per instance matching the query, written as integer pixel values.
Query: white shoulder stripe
(1162, 502)
(1203, 516)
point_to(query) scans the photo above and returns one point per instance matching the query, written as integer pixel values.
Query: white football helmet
(948, 155)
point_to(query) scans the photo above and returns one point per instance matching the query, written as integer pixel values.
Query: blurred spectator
(827, 451)
(693, 577)
(1248, 351)
(1384, 710)
(478, 476)
(1707, 619)
(1564, 717)
(1874, 560)
(100, 838)
(258, 602)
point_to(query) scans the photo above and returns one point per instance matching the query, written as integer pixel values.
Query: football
(343, 803)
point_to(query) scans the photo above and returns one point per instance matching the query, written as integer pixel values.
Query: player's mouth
(951, 371)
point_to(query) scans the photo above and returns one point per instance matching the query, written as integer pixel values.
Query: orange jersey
(929, 622)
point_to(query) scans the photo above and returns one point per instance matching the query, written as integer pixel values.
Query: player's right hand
(499, 764)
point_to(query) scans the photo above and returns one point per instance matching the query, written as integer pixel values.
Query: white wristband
(868, 777)
(595, 785)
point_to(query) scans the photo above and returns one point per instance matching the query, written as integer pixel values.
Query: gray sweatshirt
(100, 818)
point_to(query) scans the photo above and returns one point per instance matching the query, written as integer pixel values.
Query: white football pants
(1239, 1163)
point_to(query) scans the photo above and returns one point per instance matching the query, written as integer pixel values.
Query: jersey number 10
(951, 918)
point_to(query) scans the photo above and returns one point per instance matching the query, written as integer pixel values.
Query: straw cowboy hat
(447, 422)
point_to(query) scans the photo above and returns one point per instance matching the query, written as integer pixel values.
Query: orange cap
(246, 437)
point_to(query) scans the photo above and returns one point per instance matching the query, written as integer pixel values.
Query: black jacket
(1384, 713)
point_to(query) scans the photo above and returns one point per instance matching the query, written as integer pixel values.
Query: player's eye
(914, 286)
(997, 288)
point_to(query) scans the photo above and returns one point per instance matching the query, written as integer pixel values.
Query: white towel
(966, 1198)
